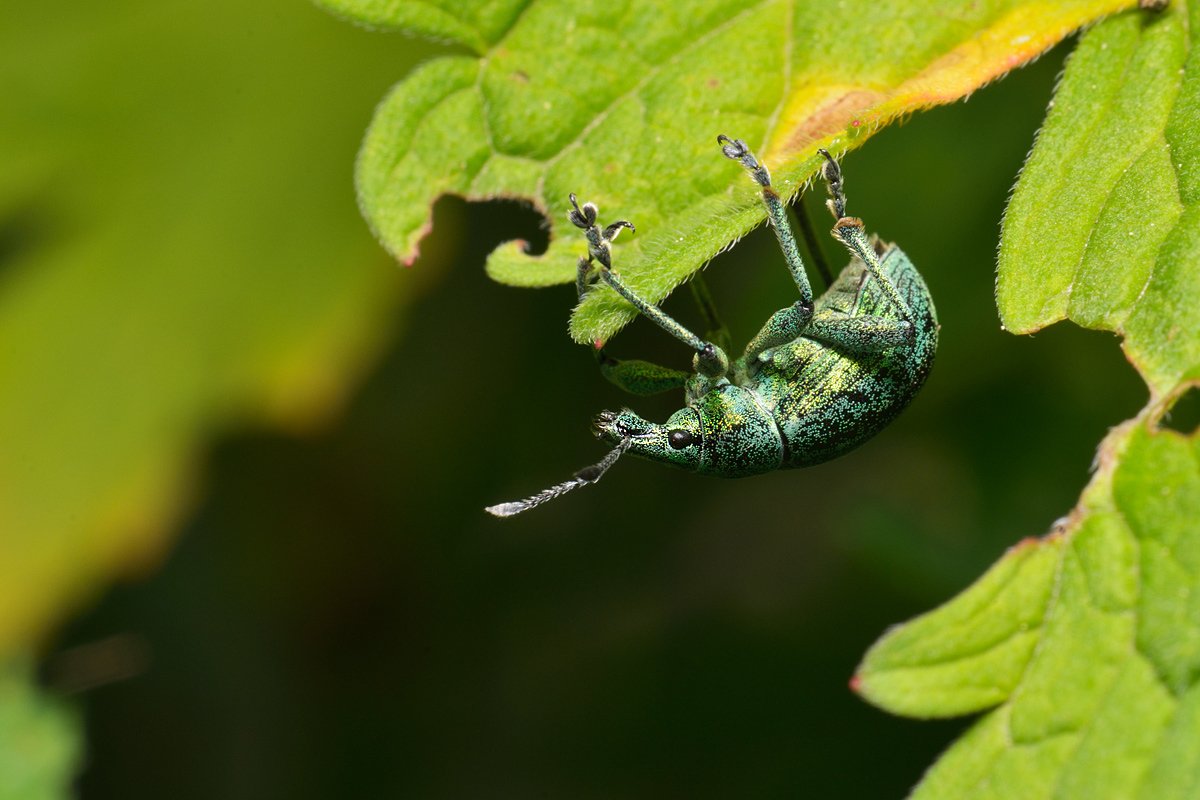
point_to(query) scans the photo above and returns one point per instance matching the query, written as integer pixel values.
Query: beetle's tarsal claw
(739, 151)
(832, 173)
(611, 231)
(735, 149)
(830, 170)
(584, 217)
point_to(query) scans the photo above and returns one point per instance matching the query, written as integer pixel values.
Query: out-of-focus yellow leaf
(622, 104)
(179, 248)
(40, 740)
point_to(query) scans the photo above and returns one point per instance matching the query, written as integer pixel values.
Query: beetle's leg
(800, 216)
(849, 231)
(639, 377)
(583, 271)
(714, 329)
(710, 360)
(737, 150)
(781, 327)
(831, 171)
(860, 335)
(788, 323)
(634, 376)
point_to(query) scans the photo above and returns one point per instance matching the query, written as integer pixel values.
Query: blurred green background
(198, 319)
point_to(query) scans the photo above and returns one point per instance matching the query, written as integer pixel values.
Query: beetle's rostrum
(821, 377)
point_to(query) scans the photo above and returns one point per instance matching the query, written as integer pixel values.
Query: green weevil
(820, 378)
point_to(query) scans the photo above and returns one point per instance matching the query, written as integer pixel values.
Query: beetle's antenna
(582, 478)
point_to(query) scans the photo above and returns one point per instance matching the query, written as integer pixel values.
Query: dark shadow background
(341, 619)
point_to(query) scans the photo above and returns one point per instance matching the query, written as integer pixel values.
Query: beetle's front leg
(635, 376)
(710, 361)
(715, 330)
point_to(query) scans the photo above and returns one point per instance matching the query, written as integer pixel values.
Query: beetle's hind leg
(860, 336)
(851, 233)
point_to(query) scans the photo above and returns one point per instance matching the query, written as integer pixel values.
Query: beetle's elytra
(821, 377)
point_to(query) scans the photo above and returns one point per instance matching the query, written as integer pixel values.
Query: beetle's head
(676, 441)
(726, 432)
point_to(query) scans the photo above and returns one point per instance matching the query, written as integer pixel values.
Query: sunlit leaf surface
(1085, 645)
(1104, 226)
(622, 103)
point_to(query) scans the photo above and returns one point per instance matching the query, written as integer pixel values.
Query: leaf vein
(512, 23)
(651, 73)
(1081, 144)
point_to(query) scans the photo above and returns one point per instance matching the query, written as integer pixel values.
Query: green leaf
(1085, 645)
(471, 23)
(1104, 225)
(40, 740)
(1088, 639)
(621, 103)
(176, 257)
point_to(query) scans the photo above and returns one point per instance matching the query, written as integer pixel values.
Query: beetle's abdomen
(827, 402)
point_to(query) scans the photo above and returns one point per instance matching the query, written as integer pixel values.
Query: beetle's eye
(680, 439)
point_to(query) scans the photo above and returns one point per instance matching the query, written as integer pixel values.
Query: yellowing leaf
(1086, 645)
(180, 251)
(622, 105)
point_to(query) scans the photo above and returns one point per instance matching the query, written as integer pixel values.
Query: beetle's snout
(612, 426)
(603, 427)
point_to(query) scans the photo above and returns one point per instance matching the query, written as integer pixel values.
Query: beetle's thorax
(740, 434)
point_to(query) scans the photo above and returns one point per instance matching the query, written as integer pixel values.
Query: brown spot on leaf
(834, 116)
(1024, 544)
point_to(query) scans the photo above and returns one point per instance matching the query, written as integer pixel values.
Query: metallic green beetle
(819, 379)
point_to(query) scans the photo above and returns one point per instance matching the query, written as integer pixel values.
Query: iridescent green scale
(821, 377)
(827, 403)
